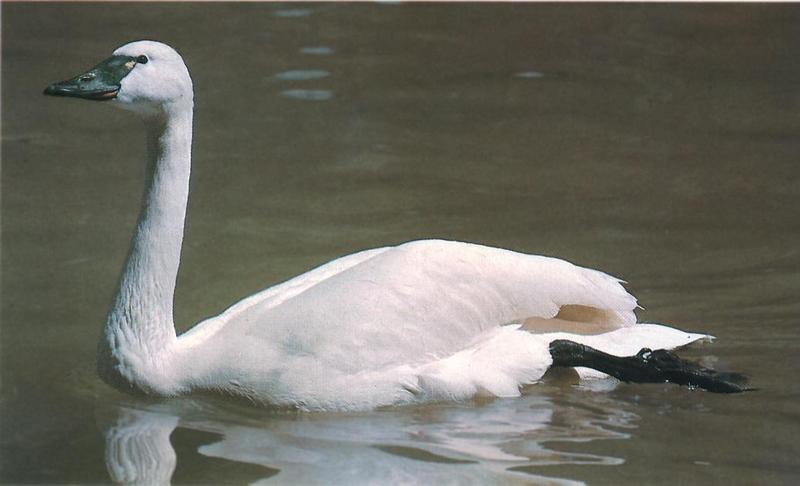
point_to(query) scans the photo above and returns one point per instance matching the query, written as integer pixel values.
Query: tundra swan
(425, 320)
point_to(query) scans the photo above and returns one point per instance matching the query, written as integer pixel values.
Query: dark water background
(656, 142)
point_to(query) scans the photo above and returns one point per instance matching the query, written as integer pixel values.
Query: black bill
(102, 82)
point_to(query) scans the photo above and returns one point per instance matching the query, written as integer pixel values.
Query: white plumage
(426, 320)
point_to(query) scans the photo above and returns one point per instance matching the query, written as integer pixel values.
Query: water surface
(658, 143)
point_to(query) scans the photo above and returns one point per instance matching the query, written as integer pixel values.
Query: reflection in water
(138, 450)
(317, 50)
(302, 74)
(530, 74)
(293, 12)
(308, 94)
(502, 440)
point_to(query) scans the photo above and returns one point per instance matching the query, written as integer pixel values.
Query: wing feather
(406, 304)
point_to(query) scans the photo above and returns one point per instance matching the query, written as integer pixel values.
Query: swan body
(425, 320)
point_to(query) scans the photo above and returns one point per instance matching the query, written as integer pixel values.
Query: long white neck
(139, 331)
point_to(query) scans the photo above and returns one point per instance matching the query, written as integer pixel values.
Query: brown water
(659, 143)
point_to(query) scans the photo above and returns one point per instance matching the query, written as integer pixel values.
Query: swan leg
(647, 366)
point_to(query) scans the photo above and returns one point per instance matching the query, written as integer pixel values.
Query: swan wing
(274, 295)
(413, 303)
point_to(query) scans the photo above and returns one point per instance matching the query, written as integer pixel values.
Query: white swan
(426, 320)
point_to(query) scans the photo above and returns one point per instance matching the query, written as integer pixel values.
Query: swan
(421, 321)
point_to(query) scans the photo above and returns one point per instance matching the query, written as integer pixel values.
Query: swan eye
(142, 59)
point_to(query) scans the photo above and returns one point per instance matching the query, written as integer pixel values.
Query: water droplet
(308, 94)
(302, 74)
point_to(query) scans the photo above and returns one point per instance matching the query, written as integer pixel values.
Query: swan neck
(139, 330)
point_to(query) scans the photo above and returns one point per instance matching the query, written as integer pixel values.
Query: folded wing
(418, 301)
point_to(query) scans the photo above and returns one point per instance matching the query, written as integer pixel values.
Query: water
(658, 143)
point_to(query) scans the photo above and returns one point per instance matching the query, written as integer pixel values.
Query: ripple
(317, 50)
(308, 94)
(293, 12)
(498, 442)
(302, 74)
(420, 454)
(529, 74)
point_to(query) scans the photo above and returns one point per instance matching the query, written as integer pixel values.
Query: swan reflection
(512, 441)
(138, 450)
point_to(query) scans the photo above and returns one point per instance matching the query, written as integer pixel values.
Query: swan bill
(100, 83)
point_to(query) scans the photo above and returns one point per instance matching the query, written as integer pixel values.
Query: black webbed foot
(647, 366)
(676, 370)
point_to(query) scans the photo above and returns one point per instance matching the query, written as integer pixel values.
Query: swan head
(143, 76)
